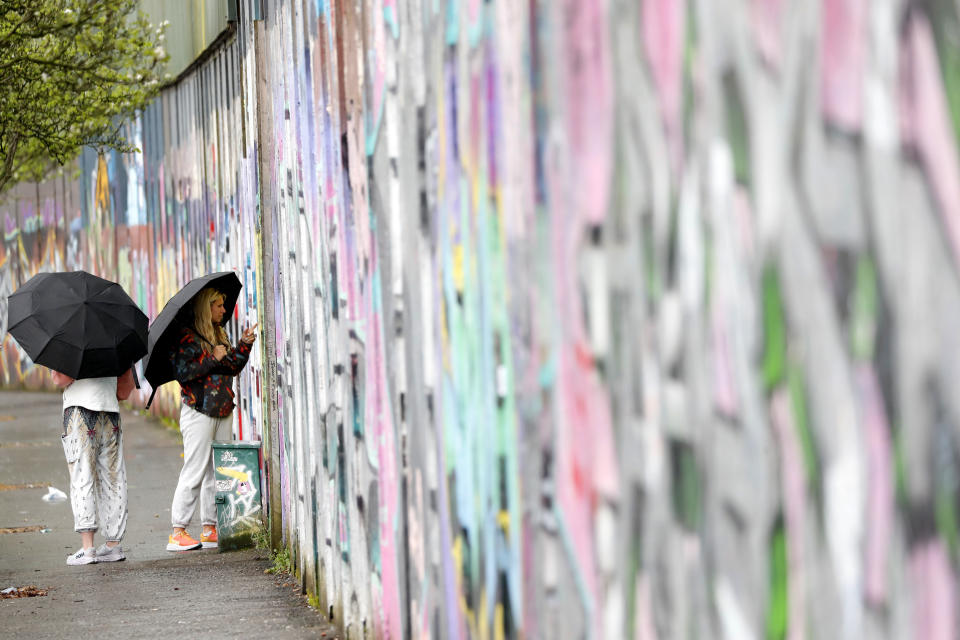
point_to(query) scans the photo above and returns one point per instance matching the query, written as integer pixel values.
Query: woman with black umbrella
(204, 363)
(89, 332)
(94, 451)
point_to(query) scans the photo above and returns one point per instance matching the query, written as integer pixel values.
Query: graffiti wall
(185, 206)
(582, 318)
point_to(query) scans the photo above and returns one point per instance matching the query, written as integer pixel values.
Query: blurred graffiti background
(583, 318)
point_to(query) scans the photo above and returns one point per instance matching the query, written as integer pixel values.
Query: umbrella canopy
(178, 313)
(78, 324)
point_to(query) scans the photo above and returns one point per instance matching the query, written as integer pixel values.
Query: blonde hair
(203, 323)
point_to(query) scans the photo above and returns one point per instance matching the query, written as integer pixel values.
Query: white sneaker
(82, 556)
(109, 554)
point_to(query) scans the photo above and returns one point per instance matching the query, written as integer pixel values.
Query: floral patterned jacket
(204, 381)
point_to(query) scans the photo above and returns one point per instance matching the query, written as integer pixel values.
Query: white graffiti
(242, 496)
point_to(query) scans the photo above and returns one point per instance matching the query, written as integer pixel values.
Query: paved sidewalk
(153, 593)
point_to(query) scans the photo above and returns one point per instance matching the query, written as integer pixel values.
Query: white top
(95, 394)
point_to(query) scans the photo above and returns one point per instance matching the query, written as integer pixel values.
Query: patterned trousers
(93, 447)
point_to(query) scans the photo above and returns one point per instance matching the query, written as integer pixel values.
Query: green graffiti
(945, 487)
(708, 258)
(946, 33)
(650, 261)
(775, 332)
(900, 465)
(863, 310)
(945, 515)
(686, 487)
(778, 611)
(798, 399)
(737, 129)
(635, 560)
(689, 90)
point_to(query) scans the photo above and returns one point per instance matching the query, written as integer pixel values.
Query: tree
(71, 71)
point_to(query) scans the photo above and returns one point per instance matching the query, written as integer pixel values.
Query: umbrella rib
(117, 319)
(115, 303)
(54, 334)
(45, 310)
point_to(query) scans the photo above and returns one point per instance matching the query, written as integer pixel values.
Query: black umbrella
(77, 324)
(178, 313)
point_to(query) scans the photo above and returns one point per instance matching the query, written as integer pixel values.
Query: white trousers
(93, 446)
(197, 476)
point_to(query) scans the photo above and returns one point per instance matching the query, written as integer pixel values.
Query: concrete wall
(583, 318)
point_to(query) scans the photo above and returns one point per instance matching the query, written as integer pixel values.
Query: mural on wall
(592, 318)
(151, 221)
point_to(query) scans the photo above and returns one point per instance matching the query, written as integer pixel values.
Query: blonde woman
(205, 363)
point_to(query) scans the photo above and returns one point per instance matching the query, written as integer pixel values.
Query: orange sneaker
(209, 540)
(181, 541)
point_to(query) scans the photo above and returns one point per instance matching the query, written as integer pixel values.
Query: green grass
(279, 558)
(261, 539)
(281, 562)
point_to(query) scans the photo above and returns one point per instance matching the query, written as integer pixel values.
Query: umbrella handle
(153, 393)
(136, 379)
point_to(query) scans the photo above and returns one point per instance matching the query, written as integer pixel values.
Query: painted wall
(583, 318)
(184, 207)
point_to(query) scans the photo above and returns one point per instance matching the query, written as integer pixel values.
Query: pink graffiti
(586, 459)
(766, 19)
(378, 415)
(925, 122)
(375, 76)
(795, 509)
(880, 501)
(724, 386)
(586, 467)
(590, 103)
(473, 11)
(664, 23)
(842, 62)
(643, 605)
(934, 590)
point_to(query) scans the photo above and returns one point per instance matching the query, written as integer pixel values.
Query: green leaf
(68, 75)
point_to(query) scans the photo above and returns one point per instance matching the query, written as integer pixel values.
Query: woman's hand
(219, 352)
(61, 380)
(125, 385)
(250, 334)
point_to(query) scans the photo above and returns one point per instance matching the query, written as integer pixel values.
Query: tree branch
(7, 172)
